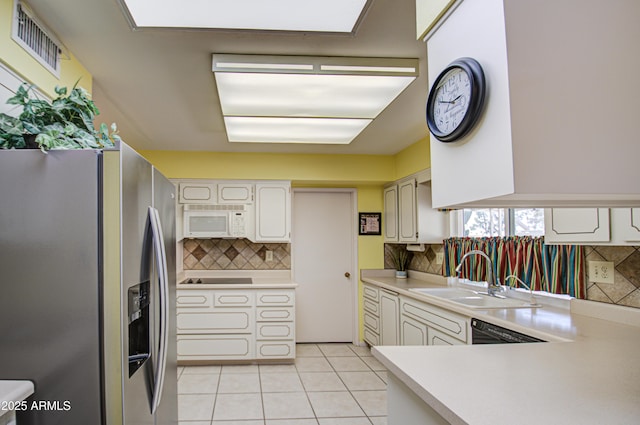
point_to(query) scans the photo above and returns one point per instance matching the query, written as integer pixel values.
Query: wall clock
(456, 99)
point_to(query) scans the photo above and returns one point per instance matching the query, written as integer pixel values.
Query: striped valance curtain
(558, 269)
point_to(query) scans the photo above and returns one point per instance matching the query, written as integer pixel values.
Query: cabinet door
(389, 318)
(407, 211)
(440, 338)
(197, 193)
(568, 225)
(412, 332)
(390, 222)
(235, 193)
(631, 225)
(273, 212)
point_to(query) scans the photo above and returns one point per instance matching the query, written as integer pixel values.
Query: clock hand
(451, 101)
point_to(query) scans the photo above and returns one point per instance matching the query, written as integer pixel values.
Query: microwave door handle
(163, 286)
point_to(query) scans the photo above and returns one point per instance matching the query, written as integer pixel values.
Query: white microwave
(215, 221)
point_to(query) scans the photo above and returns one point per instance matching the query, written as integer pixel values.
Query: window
(487, 222)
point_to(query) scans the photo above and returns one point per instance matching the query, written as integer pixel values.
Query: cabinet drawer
(372, 322)
(225, 321)
(450, 323)
(276, 349)
(275, 314)
(233, 299)
(275, 330)
(371, 337)
(194, 299)
(371, 292)
(215, 347)
(267, 298)
(372, 307)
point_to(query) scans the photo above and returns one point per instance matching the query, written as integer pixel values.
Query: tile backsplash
(624, 291)
(420, 261)
(234, 254)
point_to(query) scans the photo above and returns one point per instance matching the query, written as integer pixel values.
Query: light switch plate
(439, 257)
(268, 256)
(601, 271)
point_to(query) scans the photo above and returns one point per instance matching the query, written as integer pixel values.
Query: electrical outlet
(439, 257)
(601, 271)
(268, 256)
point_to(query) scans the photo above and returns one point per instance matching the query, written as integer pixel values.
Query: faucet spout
(492, 285)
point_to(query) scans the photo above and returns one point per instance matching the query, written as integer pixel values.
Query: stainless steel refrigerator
(87, 286)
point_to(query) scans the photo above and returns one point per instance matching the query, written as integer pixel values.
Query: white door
(323, 244)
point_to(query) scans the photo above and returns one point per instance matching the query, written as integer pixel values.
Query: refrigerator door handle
(163, 284)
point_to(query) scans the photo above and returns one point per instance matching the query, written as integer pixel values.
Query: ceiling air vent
(35, 38)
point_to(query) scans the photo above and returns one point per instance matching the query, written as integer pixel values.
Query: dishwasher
(488, 333)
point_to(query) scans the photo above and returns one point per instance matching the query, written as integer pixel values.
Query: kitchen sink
(445, 292)
(473, 299)
(481, 301)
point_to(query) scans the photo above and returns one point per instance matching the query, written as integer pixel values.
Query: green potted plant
(64, 123)
(401, 259)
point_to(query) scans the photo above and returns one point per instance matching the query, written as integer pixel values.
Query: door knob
(347, 274)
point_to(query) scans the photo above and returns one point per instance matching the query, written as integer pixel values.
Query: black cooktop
(218, 281)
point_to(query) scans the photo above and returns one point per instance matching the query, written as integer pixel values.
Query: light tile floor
(329, 384)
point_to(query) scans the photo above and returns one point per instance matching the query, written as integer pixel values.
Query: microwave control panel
(237, 227)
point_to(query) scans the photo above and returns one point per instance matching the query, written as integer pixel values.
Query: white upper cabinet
(558, 127)
(629, 223)
(408, 229)
(235, 193)
(273, 212)
(567, 225)
(592, 226)
(197, 193)
(408, 214)
(390, 220)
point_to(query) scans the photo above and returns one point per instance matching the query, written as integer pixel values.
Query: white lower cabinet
(235, 324)
(371, 315)
(275, 327)
(392, 319)
(389, 318)
(426, 324)
(413, 332)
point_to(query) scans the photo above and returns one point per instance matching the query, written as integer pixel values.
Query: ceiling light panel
(279, 15)
(293, 130)
(304, 99)
(306, 95)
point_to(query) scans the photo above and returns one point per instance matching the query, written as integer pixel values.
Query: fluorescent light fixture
(278, 15)
(302, 99)
(334, 131)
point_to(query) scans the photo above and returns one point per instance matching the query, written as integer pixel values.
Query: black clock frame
(478, 90)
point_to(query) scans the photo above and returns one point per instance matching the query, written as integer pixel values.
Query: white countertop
(589, 375)
(13, 391)
(262, 279)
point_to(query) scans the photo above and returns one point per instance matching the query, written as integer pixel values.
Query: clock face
(456, 100)
(451, 100)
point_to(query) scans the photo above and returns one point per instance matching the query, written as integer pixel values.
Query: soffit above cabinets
(559, 127)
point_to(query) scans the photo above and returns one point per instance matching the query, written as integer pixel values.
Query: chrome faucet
(516, 278)
(492, 284)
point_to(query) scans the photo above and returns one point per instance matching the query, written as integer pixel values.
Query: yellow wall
(412, 159)
(299, 168)
(16, 58)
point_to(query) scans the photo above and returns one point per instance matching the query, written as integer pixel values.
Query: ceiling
(157, 84)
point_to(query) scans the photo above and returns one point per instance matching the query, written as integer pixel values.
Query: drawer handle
(347, 275)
